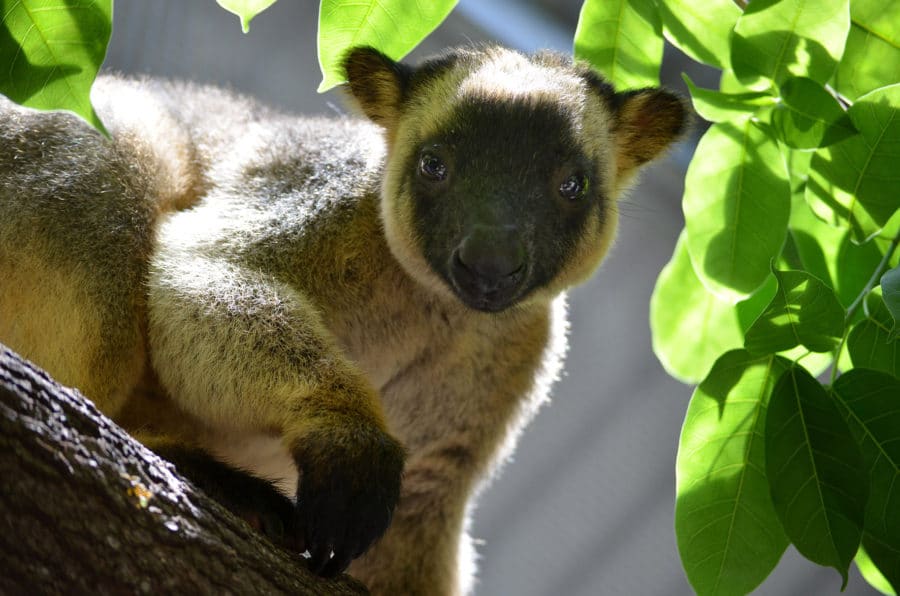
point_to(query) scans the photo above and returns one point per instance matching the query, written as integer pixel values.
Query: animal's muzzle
(488, 267)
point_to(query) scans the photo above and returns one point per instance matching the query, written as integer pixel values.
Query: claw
(345, 498)
(338, 563)
(318, 559)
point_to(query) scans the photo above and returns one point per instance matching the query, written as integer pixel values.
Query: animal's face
(503, 170)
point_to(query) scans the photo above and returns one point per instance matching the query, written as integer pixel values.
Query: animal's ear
(377, 84)
(647, 122)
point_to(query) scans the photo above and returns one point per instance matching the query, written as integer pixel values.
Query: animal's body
(328, 296)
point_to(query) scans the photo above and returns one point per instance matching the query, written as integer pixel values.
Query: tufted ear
(647, 122)
(377, 84)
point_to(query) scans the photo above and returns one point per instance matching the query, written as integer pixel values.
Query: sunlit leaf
(245, 9)
(816, 242)
(394, 27)
(815, 470)
(871, 573)
(872, 56)
(809, 117)
(854, 182)
(691, 327)
(52, 50)
(886, 236)
(829, 253)
(728, 83)
(715, 106)
(854, 267)
(885, 556)
(622, 40)
(736, 206)
(700, 30)
(776, 39)
(815, 362)
(870, 344)
(871, 403)
(729, 536)
(803, 312)
(798, 168)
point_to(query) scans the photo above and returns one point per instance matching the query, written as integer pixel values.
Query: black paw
(349, 485)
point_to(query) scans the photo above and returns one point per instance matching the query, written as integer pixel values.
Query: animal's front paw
(349, 485)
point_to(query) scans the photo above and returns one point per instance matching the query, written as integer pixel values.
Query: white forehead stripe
(512, 75)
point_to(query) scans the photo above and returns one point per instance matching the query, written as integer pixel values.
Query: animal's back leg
(76, 218)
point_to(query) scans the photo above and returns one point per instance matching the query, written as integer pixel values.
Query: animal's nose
(492, 254)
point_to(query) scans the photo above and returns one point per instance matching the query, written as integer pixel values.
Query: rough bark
(85, 509)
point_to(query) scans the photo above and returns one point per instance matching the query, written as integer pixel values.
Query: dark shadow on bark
(85, 509)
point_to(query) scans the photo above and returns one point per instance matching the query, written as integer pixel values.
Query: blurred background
(586, 506)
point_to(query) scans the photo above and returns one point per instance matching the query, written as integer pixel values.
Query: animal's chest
(388, 324)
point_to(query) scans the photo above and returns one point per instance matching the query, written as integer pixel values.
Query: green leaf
(798, 167)
(890, 291)
(871, 573)
(776, 39)
(870, 343)
(854, 182)
(816, 242)
(885, 556)
(854, 267)
(52, 51)
(691, 327)
(622, 40)
(809, 117)
(729, 536)
(728, 83)
(803, 312)
(875, 114)
(818, 484)
(830, 254)
(815, 362)
(885, 237)
(872, 56)
(393, 26)
(715, 106)
(245, 9)
(736, 206)
(870, 400)
(700, 30)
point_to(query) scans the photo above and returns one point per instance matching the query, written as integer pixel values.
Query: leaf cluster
(786, 268)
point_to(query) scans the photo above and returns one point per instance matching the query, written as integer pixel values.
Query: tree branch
(84, 508)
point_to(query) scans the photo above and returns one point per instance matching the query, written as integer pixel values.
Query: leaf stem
(843, 100)
(876, 275)
(837, 354)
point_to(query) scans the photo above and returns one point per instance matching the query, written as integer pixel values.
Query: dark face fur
(502, 169)
(505, 191)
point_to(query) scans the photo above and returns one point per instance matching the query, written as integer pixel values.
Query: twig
(876, 275)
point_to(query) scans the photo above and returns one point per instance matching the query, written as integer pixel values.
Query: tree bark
(86, 509)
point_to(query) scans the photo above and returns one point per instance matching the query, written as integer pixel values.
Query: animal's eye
(574, 187)
(432, 167)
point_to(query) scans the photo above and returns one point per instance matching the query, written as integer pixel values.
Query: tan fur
(48, 315)
(276, 302)
(60, 330)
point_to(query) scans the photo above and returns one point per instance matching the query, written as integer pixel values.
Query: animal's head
(503, 170)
